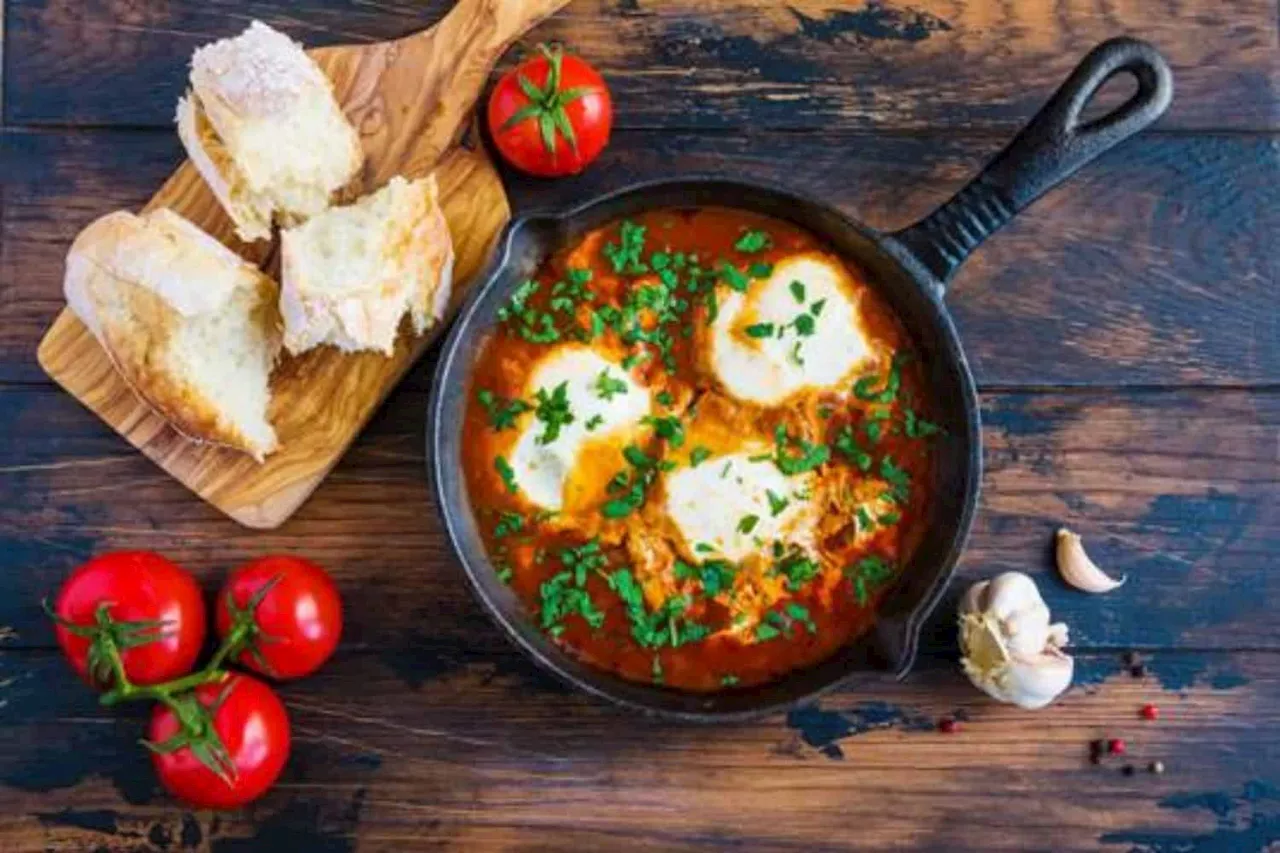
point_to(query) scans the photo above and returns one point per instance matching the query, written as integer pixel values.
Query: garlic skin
(1078, 569)
(1011, 651)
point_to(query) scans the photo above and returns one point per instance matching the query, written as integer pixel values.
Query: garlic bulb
(1076, 567)
(1011, 651)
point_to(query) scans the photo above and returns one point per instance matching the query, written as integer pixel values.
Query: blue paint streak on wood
(824, 729)
(1181, 671)
(877, 21)
(1246, 821)
(105, 821)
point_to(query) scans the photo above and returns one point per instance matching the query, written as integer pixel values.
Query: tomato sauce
(638, 311)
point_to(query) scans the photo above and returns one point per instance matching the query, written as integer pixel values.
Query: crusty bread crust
(132, 280)
(262, 126)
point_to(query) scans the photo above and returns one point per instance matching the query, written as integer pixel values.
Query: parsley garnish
(646, 470)
(607, 387)
(716, 577)
(816, 308)
(699, 455)
(502, 412)
(796, 566)
(625, 254)
(733, 277)
(668, 427)
(797, 291)
(508, 523)
(804, 325)
(865, 388)
(917, 427)
(561, 597)
(520, 296)
(899, 480)
(752, 241)
(583, 560)
(760, 330)
(663, 627)
(506, 473)
(777, 503)
(553, 410)
(810, 455)
(748, 523)
(729, 680)
(867, 574)
(760, 269)
(664, 398)
(593, 422)
(848, 446)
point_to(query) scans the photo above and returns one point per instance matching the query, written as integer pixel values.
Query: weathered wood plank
(1178, 490)
(682, 64)
(1157, 265)
(482, 758)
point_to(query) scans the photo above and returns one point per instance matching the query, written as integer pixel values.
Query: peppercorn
(1116, 746)
(1128, 770)
(1138, 670)
(1156, 767)
(1150, 712)
(948, 726)
(1097, 749)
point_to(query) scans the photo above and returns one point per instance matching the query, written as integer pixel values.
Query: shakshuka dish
(697, 448)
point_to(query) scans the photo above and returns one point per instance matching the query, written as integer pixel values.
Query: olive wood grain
(410, 100)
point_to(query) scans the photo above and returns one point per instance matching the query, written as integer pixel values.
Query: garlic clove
(1076, 567)
(1035, 683)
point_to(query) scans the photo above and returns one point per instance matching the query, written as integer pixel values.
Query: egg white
(543, 469)
(708, 503)
(768, 370)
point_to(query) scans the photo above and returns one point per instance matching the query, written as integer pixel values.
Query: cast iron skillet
(910, 268)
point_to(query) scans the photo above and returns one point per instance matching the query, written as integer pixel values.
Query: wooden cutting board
(411, 99)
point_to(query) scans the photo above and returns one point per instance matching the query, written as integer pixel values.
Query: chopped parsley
(509, 523)
(777, 503)
(664, 398)
(716, 577)
(699, 455)
(868, 388)
(867, 575)
(816, 308)
(519, 299)
(501, 411)
(594, 422)
(752, 241)
(506, 473)
(733, 277)
(561, 597)
(899, 480)
(804, 325)
(848, 445)
(632, 488)
(760, 269)
(583, 560)
(729, 680)
(668, 427)
(807, 457)
(748, 523)
(607, 387)
(799, 613)
(665, 626)
(796, 566)
(553, 410)
(625, 255)
(915, 426)
(505, 573)
(797, 291)
(760, 330)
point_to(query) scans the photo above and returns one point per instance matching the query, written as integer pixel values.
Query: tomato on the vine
(222, 745)
(551, 114)
(287, 612)
(136, 604)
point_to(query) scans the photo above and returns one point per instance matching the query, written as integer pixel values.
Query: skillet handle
(1051, 148)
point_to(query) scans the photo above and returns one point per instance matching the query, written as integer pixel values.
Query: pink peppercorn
(1115, 746)
(949, 726)
(1150, 712)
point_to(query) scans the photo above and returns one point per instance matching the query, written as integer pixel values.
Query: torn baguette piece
(190, 325)
(262, 126)
(351, 274)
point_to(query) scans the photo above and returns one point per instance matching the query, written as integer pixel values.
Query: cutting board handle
(488, 27)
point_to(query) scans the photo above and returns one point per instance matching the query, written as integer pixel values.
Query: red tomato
(289, 611)
(142, 604)
(551, 115)
(248, 743)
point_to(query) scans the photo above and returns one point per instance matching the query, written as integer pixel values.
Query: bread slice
(191, 326)
(263, 128)
(351, 274)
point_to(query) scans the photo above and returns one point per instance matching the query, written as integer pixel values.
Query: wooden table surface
(1124, 332)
